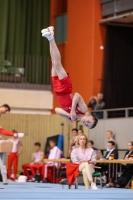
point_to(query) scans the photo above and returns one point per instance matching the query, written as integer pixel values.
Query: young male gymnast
(4, 109)
(73, 106)
(14, 155)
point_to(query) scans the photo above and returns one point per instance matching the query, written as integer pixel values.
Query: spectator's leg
(43, 169)
(88, 169)
(86, 181)
(46, 169)
(33, 169)
(127, 177)
(10, 161)
(26, 172)
(15, 166)
(114, 175)
(40, 169)
(120, 180)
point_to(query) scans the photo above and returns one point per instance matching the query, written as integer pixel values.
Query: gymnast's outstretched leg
(57, 68)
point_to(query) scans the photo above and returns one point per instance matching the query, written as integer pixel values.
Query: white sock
(48, 35)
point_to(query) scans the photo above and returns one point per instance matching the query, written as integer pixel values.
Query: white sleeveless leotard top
(15, 145)
(37, 156)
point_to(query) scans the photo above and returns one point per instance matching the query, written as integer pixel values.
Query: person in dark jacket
(111, 150)
(105, 167)
(128, 168)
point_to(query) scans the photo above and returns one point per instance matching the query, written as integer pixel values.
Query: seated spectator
(105, 167)
(62, 154)
(55, 153)
(98, 152)
(91, 145)
(109, 136)
(97, 103)
(35, 164)
(128, 168)
(80, 131)
(86, 159)
(72, 141)
(111, 150)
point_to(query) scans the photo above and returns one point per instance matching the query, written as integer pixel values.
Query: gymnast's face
(87, 120)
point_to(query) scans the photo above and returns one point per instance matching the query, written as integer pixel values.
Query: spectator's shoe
(20, 135)
(64, 182)
(45, 181)
(10, 180)
(117, 185)
(110, 184)
(38, 178)
(107, 185)
(49, 29)
(93, 186)
(32, 180)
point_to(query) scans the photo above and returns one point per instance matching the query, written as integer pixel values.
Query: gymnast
(73, 107)
(4, 109)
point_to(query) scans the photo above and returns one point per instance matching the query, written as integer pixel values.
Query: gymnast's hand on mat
(73, 115)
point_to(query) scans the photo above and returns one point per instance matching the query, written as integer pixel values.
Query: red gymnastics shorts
(62, 86)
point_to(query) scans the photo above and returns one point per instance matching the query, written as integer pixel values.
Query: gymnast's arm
(63, 114)
(20, 148)
(78, 101)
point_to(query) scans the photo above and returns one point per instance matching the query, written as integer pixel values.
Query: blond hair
(110, 132)
(77, 141)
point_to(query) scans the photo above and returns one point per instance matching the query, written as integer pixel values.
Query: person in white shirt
(55, 153)
(109, 136)
(13, 156)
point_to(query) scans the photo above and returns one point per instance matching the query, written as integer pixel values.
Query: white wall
(27, 101)
(121, 127)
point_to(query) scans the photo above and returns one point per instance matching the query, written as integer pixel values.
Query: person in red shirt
(73, 107)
